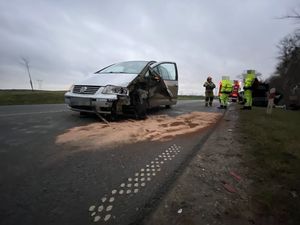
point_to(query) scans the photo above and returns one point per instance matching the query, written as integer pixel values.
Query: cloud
(67, 40)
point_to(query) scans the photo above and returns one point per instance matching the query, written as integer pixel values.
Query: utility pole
(26, 63)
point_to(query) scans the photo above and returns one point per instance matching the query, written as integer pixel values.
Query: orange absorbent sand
(155, 128)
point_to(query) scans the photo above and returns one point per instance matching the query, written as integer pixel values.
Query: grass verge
(24, 97)
(190, 97)
(273, 157)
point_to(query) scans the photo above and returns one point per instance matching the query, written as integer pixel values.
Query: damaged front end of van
(127, 88)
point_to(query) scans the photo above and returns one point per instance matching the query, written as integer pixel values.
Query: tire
(140, 111)
(113, 116)
(83, 113)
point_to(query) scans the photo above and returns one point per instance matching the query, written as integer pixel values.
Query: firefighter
(209, 94)
(248, 87)
(226, 89)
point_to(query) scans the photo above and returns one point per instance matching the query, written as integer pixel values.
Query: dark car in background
(259, 95)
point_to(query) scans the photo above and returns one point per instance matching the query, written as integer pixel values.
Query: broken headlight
(115, 90)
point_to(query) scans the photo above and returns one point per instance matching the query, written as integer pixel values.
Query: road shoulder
(212, 189)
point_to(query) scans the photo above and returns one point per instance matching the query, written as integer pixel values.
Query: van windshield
(134, 67)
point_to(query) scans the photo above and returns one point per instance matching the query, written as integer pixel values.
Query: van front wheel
(140, 111)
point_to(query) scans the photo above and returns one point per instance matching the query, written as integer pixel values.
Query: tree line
(286, 78)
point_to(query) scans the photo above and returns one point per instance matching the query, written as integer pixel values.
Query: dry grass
(25, 97)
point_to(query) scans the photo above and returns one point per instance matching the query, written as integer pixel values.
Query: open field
(23, 97)
(27, 97)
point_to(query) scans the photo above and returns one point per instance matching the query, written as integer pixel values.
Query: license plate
(80, 101)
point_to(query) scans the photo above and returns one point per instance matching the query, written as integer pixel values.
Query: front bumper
(95, 103)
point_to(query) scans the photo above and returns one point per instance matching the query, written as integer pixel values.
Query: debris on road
(102, 118)
(155, 128)
(229, 187)
(237, 177)
(294, 194)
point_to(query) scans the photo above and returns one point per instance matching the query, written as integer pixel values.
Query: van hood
(103, 79)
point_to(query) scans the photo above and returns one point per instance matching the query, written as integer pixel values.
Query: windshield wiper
(115, 72)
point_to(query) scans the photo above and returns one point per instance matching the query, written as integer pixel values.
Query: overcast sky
(66, 41)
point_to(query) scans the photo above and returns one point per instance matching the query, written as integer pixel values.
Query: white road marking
(97, 218)
(145, 174)
(107, 217)
(109, 208)
(92, 208)
(100, 208)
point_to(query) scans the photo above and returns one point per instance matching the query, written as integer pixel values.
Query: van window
(166, 70)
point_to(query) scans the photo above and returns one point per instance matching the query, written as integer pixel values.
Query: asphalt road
(45, 183)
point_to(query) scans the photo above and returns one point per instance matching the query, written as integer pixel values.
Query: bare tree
(25, 62)
(295, 15)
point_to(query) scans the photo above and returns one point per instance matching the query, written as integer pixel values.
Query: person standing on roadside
(209, 94)
(226, 88)
(249, 85)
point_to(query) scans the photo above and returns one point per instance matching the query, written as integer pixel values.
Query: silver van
(126, 88)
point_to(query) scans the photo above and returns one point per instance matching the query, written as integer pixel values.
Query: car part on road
(101, 117)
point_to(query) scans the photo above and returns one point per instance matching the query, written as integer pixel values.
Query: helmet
(209, 78)
(250, 71)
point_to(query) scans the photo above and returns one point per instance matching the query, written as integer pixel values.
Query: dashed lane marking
(102, 212)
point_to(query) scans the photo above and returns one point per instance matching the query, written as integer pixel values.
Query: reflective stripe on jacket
(227, 86)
